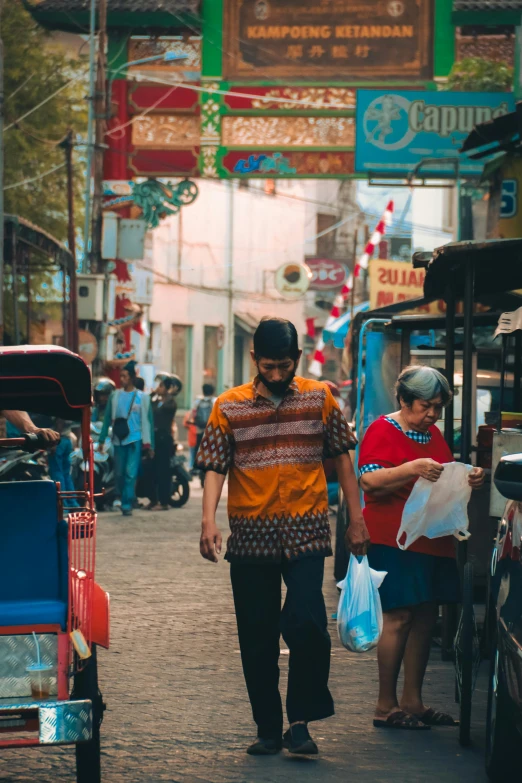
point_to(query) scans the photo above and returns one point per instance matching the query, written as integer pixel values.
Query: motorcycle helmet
(105, 386)
(160, 376)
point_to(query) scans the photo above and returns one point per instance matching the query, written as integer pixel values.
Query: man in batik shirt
(271, 437)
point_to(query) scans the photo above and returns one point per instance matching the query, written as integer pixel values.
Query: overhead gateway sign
(396, 130)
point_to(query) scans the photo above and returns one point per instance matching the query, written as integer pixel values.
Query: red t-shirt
(388, 447)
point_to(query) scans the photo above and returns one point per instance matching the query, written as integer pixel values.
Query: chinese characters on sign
(370, 39)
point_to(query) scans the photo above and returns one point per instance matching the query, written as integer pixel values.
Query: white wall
(268, 231)
(432, 217)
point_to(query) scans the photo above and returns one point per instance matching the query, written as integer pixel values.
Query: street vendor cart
(53, 615)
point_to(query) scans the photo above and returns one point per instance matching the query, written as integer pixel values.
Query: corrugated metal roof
(119, 6)
(487, 5)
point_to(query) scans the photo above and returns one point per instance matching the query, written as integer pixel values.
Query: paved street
(177, 709)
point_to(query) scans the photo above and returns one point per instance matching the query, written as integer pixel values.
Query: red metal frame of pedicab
(88, 604)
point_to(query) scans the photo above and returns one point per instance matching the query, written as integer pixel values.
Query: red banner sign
(327, 273)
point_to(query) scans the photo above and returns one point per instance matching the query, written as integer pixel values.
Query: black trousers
(303, 623)
(161, 484)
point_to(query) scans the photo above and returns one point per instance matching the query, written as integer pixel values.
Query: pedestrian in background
(60, 461)
(192, 438)
(272, 435)
(164, 409)
(201, 411)
(129, 413)
(396, 450)
(102, 392)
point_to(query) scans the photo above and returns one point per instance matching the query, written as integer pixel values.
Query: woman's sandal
(400, 720)
(435, 718)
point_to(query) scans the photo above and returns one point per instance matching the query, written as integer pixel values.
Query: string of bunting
(316, 365)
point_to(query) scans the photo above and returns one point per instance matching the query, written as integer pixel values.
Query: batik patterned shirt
(277, 494)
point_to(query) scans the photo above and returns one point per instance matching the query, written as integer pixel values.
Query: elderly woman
(395, 451)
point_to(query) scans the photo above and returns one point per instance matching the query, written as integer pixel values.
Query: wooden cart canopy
(44, 379)
(497, 264)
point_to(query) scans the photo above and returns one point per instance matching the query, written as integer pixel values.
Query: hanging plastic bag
(436, 509)
(359, 614)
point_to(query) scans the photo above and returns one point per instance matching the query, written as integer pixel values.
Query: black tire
(502, 737)
(88, 754)
(180, 492)
(466, 656)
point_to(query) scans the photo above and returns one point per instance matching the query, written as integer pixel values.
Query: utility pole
(1, 182)
(229, 260)
(90, 135)
(100, 131)
(98, 264)
(67, 145)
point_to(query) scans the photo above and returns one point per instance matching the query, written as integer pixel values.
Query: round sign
(327, 273)
(87, 346)
(292, 280)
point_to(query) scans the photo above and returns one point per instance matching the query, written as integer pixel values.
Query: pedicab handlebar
(30, 441)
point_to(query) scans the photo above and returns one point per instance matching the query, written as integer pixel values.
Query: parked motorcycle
(20, 466)
(180, 488)
(180, 479)
(104, 478)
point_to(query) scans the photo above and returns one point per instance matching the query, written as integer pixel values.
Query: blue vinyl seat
(33, 555)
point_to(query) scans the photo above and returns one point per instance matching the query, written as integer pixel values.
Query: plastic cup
(40, 677)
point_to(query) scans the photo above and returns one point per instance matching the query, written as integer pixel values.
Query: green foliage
(481, 75)
(36, 67)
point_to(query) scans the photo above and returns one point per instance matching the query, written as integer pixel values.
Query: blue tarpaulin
(339, 329)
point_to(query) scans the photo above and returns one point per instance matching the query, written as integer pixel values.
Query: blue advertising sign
(396, 130)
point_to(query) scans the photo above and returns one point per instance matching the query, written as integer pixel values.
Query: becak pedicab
(53, 615)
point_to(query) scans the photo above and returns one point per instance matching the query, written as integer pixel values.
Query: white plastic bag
(359, 614)
(436, 509)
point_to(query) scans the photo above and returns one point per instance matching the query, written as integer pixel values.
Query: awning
(497, 263)
(248, 323)
(339, 329)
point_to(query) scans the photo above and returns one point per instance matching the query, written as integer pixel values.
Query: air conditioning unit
(90, 297)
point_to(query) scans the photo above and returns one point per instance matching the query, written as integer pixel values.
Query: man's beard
(278, 388)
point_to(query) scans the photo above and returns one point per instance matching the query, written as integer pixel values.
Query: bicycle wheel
(464, 655)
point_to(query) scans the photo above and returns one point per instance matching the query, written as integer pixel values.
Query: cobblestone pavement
(177, 707)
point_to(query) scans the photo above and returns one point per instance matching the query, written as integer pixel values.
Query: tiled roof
(120, 6)
(487, 5)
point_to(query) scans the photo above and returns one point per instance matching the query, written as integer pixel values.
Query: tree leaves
(36, 66)
(481, 75)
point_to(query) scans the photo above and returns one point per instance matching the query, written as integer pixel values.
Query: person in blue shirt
(60, 463)
(131, 406)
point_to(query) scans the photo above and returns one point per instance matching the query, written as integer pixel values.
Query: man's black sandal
(265, 747)
(298, 740)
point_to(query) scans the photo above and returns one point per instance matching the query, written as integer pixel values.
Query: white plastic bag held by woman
(359, 614)
(436, 509)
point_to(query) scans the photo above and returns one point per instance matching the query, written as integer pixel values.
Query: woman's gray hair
(419, 382)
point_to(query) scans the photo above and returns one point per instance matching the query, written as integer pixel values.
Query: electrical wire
(211, 291)
(142, 114)
(20, 87)
(35, 179)
(46, 100)
(262, 98)
(49, 142)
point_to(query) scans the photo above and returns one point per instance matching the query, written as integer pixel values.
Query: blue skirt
(414, 578)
